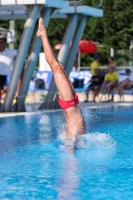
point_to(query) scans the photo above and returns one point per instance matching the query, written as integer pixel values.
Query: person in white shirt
(126, 83)
(6, 64)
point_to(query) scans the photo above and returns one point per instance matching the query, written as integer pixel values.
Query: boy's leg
(63, 83)
(96, 94)
(64, 86)
(87, 94)
(108, 91)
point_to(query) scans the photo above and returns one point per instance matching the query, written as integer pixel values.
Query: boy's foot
(85, 101)
(97, 99)
(41, 29)
(110, 100)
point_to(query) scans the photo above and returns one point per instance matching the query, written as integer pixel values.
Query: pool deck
(35, 97)
(33, 102)
(32, 108)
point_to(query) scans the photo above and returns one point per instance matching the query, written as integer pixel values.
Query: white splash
(86, 141)
(94, 140)
(63, 143)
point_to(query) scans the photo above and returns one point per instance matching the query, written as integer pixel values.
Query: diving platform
(84, 10)
(31, 10)
(19, 9)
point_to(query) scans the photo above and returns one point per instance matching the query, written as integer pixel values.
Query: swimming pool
(32, 165)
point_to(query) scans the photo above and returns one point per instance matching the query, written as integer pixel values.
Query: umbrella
(85, 46)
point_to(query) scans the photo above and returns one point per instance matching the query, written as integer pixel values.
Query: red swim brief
(67, 104)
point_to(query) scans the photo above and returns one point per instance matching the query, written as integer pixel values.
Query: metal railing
(105, 67)
(100, 4)
(75, 3)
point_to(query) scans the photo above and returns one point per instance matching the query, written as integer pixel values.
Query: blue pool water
(33, 166)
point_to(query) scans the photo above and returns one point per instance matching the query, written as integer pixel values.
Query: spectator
(112, 64)
(96, 82)
(126, 84)
(94, 64)
(6, 63)
(110, 82)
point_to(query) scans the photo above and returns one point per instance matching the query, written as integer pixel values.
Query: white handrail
(100, 4)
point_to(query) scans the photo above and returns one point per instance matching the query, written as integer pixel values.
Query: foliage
(113, 30)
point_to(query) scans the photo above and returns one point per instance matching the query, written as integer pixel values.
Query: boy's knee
(58, 68)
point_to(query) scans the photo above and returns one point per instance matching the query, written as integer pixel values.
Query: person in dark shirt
(96, 82)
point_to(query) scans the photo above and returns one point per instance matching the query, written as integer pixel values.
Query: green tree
(114, 29)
